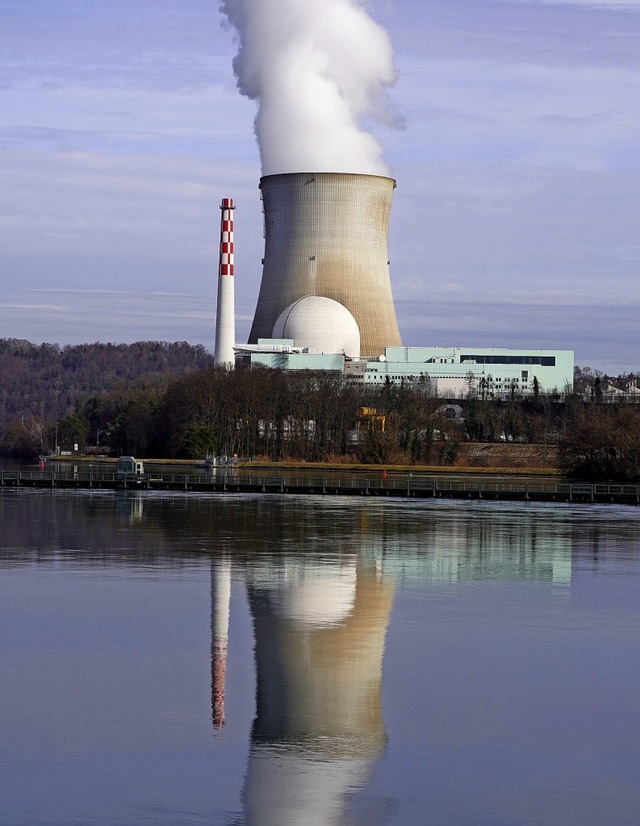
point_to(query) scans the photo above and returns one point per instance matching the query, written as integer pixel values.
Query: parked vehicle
(129, 466)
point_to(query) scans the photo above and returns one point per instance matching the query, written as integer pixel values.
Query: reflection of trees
(99, 526)
(515, 542)
(97, 529)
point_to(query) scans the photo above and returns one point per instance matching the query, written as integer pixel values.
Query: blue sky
(516, 220)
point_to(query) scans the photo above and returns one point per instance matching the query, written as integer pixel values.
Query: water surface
(183, 659)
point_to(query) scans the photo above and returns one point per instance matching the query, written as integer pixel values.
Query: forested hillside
(46, 383)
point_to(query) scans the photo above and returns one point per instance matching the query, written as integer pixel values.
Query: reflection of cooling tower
(326, 234)
(318, 728)
(320, 683)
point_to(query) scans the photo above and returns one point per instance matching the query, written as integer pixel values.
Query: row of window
(488, 379)
(543, 361)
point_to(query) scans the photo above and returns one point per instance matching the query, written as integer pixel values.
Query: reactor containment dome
(320, 324)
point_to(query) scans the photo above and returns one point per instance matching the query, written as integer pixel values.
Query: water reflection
(503, 545)
(130, 508)
(436, 542)
(220, 598)
(319, 629)
(488, 671)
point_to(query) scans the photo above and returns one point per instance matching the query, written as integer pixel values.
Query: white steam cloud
(318, 69)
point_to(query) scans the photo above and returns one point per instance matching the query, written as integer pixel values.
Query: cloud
(92, 315)
(518, 171)
(318, 72)
(561, 117)
(86, 219)
(515, 232)
(536, 325)
(159, 46)
(626, 5)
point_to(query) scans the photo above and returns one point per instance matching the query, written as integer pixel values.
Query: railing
(393, 485)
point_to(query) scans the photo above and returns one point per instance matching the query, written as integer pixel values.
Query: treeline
(44, 384)
(277, 415)
(601, 442)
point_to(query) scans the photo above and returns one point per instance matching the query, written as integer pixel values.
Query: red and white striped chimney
(225, 310)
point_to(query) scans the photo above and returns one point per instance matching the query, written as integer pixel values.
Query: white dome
(316, 597)
(320, 323)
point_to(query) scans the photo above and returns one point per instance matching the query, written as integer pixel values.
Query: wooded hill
(46, 382)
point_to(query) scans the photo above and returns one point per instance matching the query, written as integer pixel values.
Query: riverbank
(373, 470)
(510, 459)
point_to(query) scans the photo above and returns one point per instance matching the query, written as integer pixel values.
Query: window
(543, 361)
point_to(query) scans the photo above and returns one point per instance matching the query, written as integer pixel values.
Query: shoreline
(396, 483)
(345, 467)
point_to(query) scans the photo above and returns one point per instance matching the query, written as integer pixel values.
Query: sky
(514, 140)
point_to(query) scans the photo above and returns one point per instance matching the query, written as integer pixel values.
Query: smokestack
(327, 234)
(225, 311)
(220, 598)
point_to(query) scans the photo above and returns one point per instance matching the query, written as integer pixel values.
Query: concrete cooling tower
(327, 234)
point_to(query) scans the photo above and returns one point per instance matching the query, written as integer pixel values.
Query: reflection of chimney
(225, 310)
(220, 597)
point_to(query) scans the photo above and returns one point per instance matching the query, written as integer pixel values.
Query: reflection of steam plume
(220, 596)
(316, 69)
(318, 728)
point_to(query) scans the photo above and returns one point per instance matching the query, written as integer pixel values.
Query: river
(226, 659)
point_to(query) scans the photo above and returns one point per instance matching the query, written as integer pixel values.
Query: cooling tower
(327, 234)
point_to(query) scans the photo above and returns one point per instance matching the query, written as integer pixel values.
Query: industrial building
(325, 300)
(457, 371)
(281, 353)
(449, 372)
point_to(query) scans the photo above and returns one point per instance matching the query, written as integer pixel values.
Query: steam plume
(317, 68)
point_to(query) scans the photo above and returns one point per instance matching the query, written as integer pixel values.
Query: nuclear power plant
(325, 299)
(327, 235)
